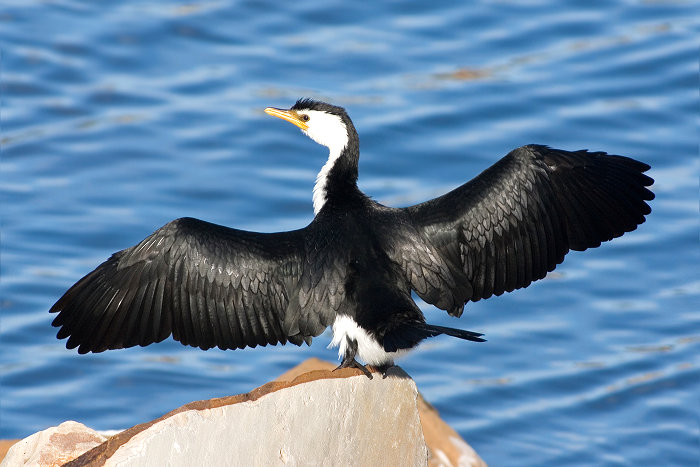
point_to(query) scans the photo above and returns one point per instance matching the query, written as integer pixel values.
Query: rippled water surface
(120, 116)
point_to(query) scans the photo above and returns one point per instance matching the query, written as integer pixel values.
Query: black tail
(409, 335)
(466, 335)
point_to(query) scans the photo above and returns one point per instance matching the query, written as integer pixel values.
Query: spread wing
(205, 284)
(515, 222)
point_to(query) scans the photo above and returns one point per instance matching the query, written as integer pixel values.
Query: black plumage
(355, 265)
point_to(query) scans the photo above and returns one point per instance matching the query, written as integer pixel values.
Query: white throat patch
(330, 131)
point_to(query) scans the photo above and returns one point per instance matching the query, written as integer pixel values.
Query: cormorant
(355, 265)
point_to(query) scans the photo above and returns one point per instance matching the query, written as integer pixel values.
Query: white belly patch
(368, 349)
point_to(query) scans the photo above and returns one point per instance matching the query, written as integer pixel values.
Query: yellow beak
(289, 115)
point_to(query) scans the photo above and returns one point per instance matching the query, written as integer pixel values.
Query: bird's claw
(352, 363)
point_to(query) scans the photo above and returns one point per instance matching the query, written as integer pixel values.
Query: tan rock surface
(54, 446)
(445, 446)
(319, 418)
(5, 445)
(308, 416)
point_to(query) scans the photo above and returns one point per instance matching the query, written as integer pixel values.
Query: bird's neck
(337, 180)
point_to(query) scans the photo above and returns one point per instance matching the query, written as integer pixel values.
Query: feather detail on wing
(207, 285)
(514, 222)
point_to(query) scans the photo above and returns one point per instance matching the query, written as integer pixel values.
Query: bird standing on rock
(355, 265)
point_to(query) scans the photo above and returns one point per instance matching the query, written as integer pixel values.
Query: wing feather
(205, 284)
(516, 221)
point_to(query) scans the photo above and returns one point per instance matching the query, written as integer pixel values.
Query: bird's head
(330, 126)
(327, 124)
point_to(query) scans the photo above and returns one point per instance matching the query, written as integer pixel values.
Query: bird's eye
(305, 117)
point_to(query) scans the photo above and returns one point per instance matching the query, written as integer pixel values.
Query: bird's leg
(349, 358)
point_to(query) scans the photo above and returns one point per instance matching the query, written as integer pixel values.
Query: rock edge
(389, 414)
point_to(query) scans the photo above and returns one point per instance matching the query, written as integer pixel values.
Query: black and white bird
(355, 265)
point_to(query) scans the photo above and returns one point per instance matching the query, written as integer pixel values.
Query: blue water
(120, 116)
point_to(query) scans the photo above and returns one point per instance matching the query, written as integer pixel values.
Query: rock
(54, 446)
(5, 445)
(309, 416)
(446, 448)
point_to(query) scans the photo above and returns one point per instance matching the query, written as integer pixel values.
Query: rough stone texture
(5, 445)
(446, 448)
(322, 422)
(309, 416)
(54, 446)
